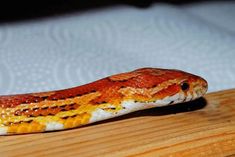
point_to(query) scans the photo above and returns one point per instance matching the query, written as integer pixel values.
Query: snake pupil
(185, 86)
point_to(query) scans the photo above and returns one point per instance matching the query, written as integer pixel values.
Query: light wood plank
(205, 127)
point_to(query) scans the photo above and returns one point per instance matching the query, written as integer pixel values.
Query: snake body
(103, 99)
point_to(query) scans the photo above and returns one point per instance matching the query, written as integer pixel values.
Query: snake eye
(184, 86)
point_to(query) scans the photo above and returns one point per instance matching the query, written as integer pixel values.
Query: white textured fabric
(70, 50)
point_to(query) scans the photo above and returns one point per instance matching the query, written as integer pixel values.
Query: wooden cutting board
(205, 127)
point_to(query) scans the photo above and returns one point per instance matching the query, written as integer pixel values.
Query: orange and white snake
(103, 99)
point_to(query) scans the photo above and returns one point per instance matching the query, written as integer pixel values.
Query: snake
(100, 100)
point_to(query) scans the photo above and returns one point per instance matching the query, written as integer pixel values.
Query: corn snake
(103, 99)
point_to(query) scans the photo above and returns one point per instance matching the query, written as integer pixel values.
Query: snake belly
(103, 99)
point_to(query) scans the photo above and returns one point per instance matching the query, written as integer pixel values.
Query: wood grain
(205, 127)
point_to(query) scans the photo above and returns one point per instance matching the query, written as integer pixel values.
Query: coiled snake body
(103, 99)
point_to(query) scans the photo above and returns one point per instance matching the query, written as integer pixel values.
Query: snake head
(193, 86)
(172, 86)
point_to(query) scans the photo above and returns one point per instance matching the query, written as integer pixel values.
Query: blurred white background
(76, 48)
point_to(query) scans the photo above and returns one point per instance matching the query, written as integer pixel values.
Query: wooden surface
(205, 127)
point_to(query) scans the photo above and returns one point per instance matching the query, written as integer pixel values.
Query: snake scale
(103, 99)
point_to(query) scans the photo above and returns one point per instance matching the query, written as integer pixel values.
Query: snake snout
(204, 86)
(200, 87)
